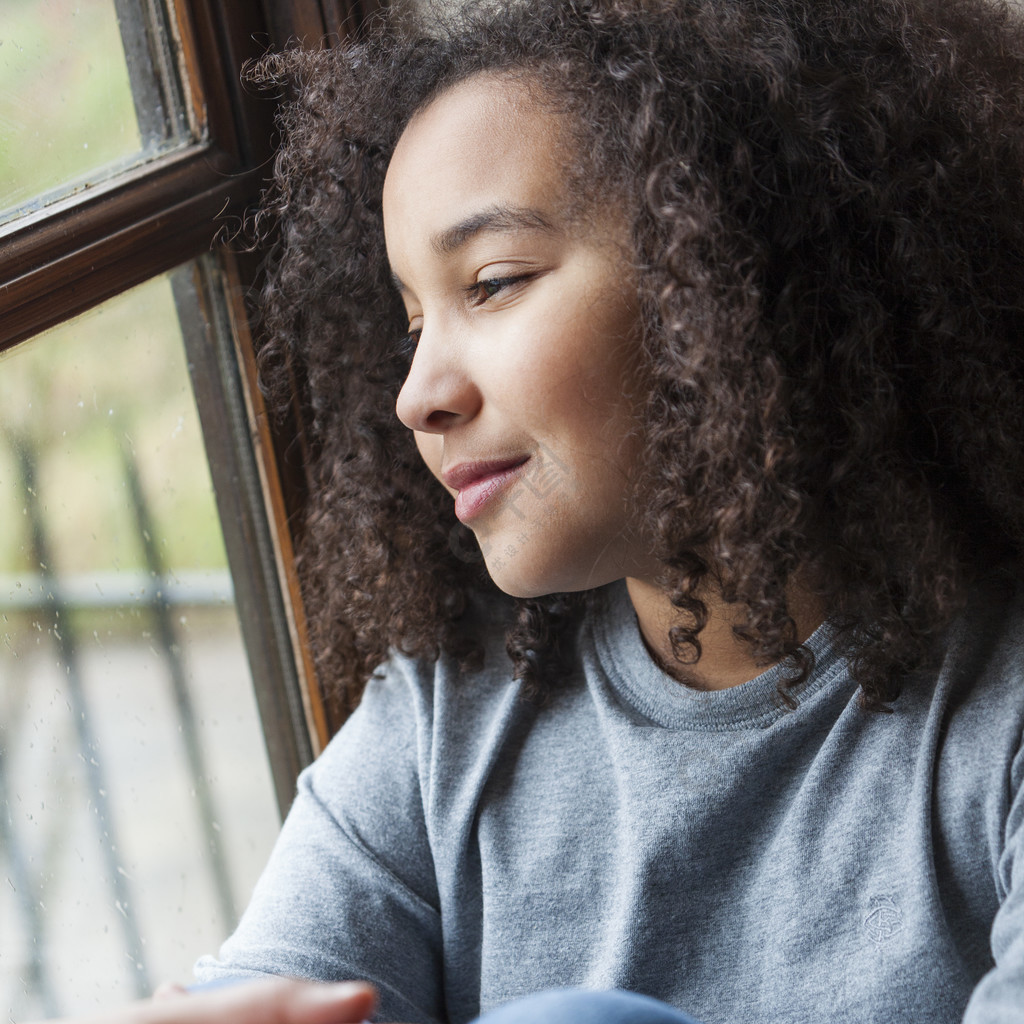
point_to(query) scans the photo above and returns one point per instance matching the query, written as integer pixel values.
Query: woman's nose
(439, 392)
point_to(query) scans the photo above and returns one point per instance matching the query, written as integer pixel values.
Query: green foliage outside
(66, 107)
(116, 375)
(113, 377)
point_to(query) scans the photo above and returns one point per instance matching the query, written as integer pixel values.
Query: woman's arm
(349, 891)
(271, 1001)
(1000, 994)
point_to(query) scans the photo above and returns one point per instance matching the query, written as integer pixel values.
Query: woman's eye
(481, 291)
(406, 345)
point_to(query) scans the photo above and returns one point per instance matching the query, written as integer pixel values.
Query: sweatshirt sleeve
(349, 891)
(999, 996)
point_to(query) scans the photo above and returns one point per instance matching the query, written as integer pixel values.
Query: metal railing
(51, 599)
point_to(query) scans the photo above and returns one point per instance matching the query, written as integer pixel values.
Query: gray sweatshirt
(459, 846)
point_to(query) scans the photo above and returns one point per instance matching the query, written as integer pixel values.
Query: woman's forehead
(484, 144)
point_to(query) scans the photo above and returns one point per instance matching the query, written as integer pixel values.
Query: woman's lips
(479, 482)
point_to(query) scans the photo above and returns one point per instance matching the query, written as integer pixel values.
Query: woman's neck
(725, 659)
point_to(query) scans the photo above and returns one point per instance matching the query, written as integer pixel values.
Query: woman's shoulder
(408, 697)
(977, 707)
(985, 649)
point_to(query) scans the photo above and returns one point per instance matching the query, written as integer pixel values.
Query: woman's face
(522, 393)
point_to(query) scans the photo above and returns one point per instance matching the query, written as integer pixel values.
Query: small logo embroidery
(883, 920)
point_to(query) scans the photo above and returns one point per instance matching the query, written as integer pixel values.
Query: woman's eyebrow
(495, 218)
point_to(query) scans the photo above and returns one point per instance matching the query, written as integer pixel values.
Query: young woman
(664, 371)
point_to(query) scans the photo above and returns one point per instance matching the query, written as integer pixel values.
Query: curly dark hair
(827, 200)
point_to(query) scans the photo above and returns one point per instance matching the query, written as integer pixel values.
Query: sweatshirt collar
(634, 673)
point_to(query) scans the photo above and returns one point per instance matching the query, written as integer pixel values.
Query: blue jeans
(581, 1006)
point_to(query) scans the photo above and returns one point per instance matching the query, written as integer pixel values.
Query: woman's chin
(517, 585)
(519, 578)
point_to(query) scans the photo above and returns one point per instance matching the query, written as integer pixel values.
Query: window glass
(136, 802)
(74, 108)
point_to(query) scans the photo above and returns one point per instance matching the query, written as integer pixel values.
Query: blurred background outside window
(137, 803)
(73, 109)
(136, 806)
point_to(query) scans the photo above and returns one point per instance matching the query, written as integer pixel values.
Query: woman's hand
(271, 1001)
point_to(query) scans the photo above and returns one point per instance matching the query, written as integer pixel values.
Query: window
(136, 801)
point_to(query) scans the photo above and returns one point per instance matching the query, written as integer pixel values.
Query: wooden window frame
(75, 253)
